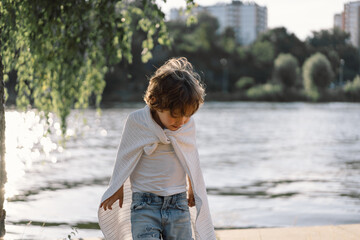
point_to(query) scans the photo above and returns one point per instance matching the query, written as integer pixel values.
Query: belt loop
(173, 199)
(148, 198)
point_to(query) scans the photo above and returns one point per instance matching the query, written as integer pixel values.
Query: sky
(300, 17)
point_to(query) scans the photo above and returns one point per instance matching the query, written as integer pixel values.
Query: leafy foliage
(286, 70)
(285, 42)
(263, 52)
(261, 57)
(61, 50)
(328, 38)
(334, 44)
(317, 75)
(352, 89)
(245, 83)
(265, 91)
(228, 40)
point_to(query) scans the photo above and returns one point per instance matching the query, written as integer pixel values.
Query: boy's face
(172, 123)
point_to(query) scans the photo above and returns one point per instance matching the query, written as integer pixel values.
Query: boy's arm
(191, 199)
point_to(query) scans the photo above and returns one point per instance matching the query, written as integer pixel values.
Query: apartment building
(338, 21)
(349, 21)
(247, 19)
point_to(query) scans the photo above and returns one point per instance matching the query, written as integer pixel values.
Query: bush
(286, 70)
(352, 89)
(317, 75)
(266, 91)
(263, 52)
(245, 83)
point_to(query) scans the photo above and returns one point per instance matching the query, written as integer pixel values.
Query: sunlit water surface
(265, 165)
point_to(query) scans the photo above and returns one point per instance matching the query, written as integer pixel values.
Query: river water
(264, 164)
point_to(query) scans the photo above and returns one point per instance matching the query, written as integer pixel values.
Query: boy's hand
(109, 202)
(191, 199)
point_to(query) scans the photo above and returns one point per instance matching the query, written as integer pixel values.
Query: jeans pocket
(182, 205)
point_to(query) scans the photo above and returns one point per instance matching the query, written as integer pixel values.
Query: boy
(156, 153)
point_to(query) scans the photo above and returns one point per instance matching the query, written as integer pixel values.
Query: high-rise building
(338, 21)
(349, 21)
(247, 20)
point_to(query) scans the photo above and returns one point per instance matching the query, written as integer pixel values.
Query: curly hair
(175, 87)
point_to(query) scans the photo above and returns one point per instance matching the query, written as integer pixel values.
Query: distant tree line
(276, 67)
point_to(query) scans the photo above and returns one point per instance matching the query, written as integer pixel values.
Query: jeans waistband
(146, 197)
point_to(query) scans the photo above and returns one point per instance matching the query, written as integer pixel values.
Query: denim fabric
(157, 217)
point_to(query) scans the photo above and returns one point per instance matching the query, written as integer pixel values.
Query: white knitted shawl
(142, 134)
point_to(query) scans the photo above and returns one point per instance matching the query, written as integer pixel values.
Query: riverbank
(337, 232)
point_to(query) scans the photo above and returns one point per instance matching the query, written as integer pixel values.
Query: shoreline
(333, 232)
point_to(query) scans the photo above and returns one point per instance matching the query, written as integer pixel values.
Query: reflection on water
(265, 165)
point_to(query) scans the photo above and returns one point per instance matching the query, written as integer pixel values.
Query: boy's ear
(152, 100)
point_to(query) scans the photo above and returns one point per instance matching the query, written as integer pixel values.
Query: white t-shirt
(160, 173)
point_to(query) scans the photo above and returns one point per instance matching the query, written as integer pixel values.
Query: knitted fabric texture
(142, 134)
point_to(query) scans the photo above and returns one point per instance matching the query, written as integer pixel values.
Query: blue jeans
(157, 217)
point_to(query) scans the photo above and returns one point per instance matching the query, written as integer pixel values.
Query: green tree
(263, 52)
(352, 89)
(334, 44)
(328, 38)
(228, 40)
(317, 75)
(286, 70)
(198, 38)
(262, 56)
(61, 51)
(285, 42)
(265, 92)
(244, 83)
